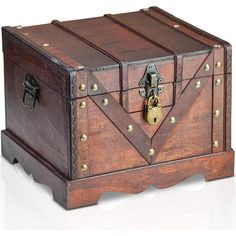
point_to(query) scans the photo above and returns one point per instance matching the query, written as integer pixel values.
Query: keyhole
(155, 120)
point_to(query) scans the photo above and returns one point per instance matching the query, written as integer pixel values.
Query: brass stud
(176, 26)
(105, 102)
(94, 87)
(207, 67)
(172, 120)
(151, 152)
(142, 92)
(84, 167)
(218, 82)
(80, 67)
(46, 44)
(198, 84)
(217, 46)
(83, 137)
(216, 144)
(130, 128)
(82, 87)
(25, 34)
(216, 113)
(83, 105)
(218, 64)
(19, 27)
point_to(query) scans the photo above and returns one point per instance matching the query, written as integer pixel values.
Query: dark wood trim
(47, 57)
(178, 77)
(191, 27)
(185, 101)
(62, 27)
(198, 34)
(228, 107)
(150, 14)
(127, 27)
(121, 119)
(14, 150)
(138, 137)
(178, 111)
(87, 191)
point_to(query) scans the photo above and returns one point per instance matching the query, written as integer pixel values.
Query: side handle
(31, 92)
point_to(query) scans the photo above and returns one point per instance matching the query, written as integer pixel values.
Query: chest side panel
(44, 129)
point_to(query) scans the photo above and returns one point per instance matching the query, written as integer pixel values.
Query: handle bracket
(31, 92)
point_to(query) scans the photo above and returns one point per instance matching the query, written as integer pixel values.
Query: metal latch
(151, 89)
(31, 92)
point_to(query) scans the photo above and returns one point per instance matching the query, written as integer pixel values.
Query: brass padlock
(153, 111)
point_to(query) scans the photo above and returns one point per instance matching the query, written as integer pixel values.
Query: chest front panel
(185, 129)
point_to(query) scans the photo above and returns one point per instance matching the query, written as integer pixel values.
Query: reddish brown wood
(113, 53)
(196, 123)
(160, 175)
(121, 120)
(121, 44)
(158, 32)
(14, 150)
(228, 100)
(218, 122)
(40, 128)
(87, 191)
(136, 71)
(105, 141)
(136, 103)
(185, 27)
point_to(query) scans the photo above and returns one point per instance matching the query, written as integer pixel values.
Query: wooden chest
(117, 103)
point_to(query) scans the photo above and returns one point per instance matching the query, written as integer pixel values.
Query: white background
(192, 204)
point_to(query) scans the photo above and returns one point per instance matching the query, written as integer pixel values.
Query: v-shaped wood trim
(138, 138)
(121, 119)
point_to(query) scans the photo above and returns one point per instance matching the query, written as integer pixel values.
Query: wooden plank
(63, 46)
(108, 149)
(218, 119)
(45, 126)
(185, 27)
(114, 40)
(198, 34)
(159, 32)
(192, 135)
(228, 111)
(186, 100)
(163, 175)
(87, 191)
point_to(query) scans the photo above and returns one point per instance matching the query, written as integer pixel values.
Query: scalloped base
(87, 191)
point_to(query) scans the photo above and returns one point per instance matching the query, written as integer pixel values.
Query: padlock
(153, 111)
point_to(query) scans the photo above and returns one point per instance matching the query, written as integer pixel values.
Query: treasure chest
(116, 103)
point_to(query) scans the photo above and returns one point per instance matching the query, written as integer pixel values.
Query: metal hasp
(151, 89)
(150, 82)
(31, 92)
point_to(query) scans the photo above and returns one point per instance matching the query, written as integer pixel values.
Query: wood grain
(218, 122)
(192, 135)
(87, 191)
(40, 128)
(113, 52)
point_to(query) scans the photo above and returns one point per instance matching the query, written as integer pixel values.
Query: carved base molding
(87, 191)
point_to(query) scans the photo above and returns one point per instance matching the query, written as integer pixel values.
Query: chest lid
(116, 50)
